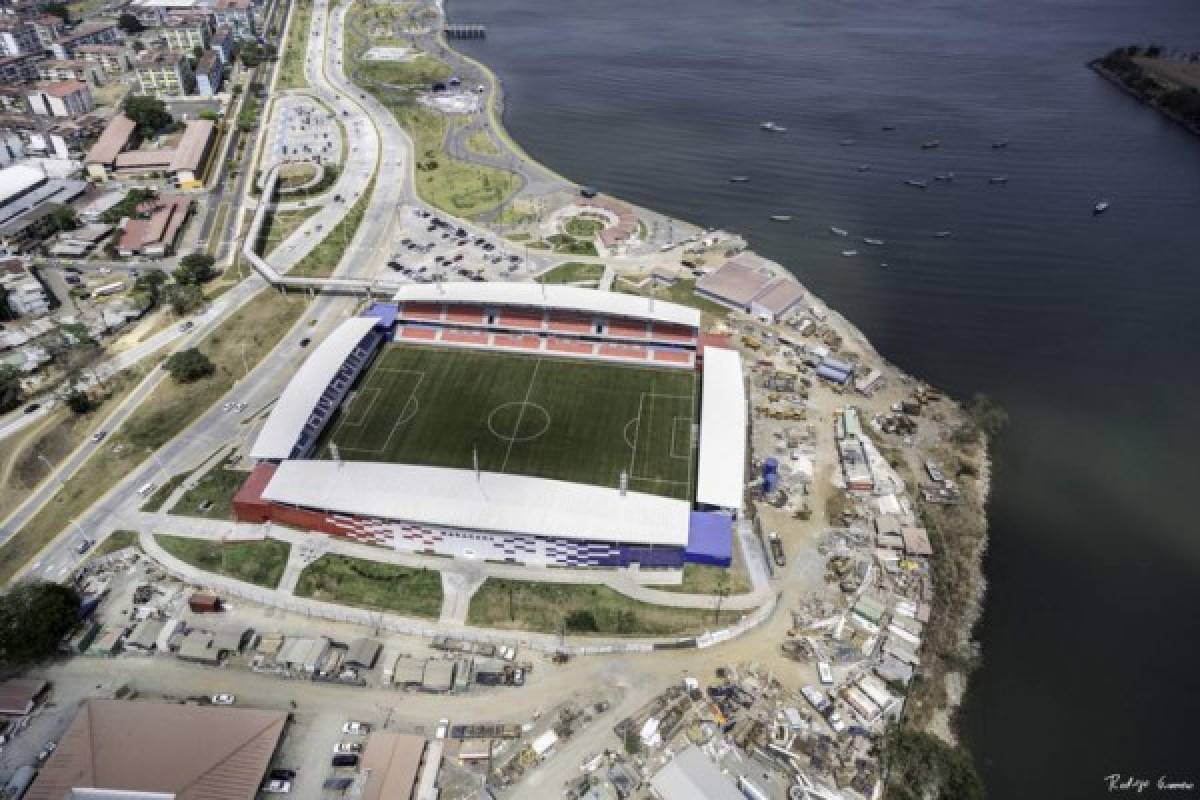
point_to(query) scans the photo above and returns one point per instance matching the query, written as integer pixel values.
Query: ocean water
(1085, 328)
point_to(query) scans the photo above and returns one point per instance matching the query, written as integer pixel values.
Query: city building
(746, 283)
(87, 33)
(391, 762)
(25, 293)
(112, 58)
(184, 163)
(210, 71)
(73, 69)
(60, 99)
(164, 74)
(119, 748)
(237, 15)
(183, 32)
(691, 775)
(19, 68)
(17, 37)
(222, 42)
(158, 234)
(118, 135)
(48, 28)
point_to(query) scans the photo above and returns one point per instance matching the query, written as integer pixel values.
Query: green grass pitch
(570, 420)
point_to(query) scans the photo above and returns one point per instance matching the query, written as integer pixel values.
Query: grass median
(323, 259)
(573, 272)
(580, 609)
(291, 69)
(279, 225)
(212, 496)
(371, 584)
(260, 562)
(168, 410)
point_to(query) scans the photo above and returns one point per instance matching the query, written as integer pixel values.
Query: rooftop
(738, 281)
(114, 139)
(120, 746)
(721, 470)
(550, 296)
(488, 502)
(391, 762)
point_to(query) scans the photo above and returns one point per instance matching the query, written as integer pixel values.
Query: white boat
(849, 253)
(916, 183)
(946, 177)
(781, 218)
(932, 143)
(846, 142)
(773, 127)
(869, 240)
(1100, 207)
(999, 144)
(864, 167)
(838, 231)
(998, 179)
(738, 179)
(942, 235)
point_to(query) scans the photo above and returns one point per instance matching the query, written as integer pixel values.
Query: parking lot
(431, 248)
(304, 130)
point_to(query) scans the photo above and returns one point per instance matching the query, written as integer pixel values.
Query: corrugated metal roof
(721, 471)
(494, 502)
(550, 296)
(112, 141)
(391, 762)
(691, 776)
(738, 281)
(287, 419)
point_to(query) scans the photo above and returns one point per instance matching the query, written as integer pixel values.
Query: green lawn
(573, 272)
(277, 226)
(482, 144)
(583, 227)
(683, 292)
(117, 540)
(704, 579)
(260, 562)
(215, 490)
(571, 246)
(581, 608)
(552, 418)
(370, 584)
(160, 495)
(323, 259)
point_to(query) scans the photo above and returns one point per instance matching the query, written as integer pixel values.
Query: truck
(452, 645)
(776, 549)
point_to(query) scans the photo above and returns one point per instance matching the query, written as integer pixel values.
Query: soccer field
(571, 420)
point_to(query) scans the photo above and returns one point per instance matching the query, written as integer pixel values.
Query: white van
(146, 488)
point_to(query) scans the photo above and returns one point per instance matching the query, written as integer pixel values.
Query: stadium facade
(496, 515)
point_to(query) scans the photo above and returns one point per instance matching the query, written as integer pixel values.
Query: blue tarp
(386, 312)
(830, 374)
(710, 539)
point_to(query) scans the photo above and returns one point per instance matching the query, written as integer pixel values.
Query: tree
(194, 269)
(149, 113)
(56, 9)
(189, 366)
(184, 298)
(250, 54)
(130, 24)
(148, 288)
(209, 115)
(10, 387)
(34, 617)
(79, 401)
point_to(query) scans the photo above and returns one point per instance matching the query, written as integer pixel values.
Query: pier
(465, 31)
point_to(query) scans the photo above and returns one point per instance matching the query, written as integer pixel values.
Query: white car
(835, 722)
(347, 747)
(47, 751)
(356, 728)
(223, 699)
(277, 787)
(443, 728)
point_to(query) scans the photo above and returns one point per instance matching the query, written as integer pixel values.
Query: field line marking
(521, 415)
(637, 435)
(675, 430)
(366, 411)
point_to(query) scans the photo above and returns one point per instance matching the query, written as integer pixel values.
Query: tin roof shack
(407, 673)
(197, 647)
(887, 532)
(204, 602)
(19, 696)
(916, 541)
(362, 653)
(439, 675)
(304, 655)
(231, 641)
(856, 469)
(490, 671)
(145, 634)
(391, 762)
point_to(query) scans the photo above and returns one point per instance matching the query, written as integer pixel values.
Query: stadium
(523, 423)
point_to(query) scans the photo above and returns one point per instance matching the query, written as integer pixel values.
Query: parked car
(356, 728)
(277, 787)
(345, 760)
(347, 747)
(223, 699)
(98, 435)
(443, 727)
(47, 751)
(83, 546)
(305, 342)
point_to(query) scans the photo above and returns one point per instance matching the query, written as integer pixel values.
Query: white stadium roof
(491, 502)
(17, 179)
(542, 295)
(283, 427)
(721, 471)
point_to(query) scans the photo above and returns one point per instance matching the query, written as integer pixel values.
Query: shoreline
(942, 722)
(1096, 65)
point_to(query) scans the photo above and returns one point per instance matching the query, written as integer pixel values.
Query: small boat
(945, 177)
(837, 231)
(739, 179)
(889, 127)
(869, 240)
(916, 183)
(849, 253)
(998, 179)
(883, 265)
(846, 142)
(942, 235)
(1100, 207)
(772, 127)
(781, 218)
(999, 144)
(864, 167)
(932, 143)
